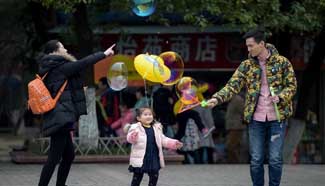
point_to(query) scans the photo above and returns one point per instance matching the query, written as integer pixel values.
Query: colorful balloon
(185, 83)
(190, 94)
(143, 8)
(151, 67)
(176, 65)
(181, 107)
(117, 76)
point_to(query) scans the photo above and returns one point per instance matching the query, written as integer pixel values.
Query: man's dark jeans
(269, 133)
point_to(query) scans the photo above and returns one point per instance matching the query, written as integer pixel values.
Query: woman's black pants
(61, 151)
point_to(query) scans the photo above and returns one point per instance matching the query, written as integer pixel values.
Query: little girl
(147, 140)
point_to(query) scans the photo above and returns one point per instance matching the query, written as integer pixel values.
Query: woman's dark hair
(51, 46)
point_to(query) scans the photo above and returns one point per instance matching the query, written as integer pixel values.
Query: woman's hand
(110, 51)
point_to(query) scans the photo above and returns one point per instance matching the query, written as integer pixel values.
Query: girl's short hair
(139, 111)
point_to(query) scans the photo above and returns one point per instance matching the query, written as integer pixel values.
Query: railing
(105, 146)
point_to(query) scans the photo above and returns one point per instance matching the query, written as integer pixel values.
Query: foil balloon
(117, 76)
(185, 83)
(143, 8)
(151, 67)
(176, 65)
(190, 95)
(180, 107)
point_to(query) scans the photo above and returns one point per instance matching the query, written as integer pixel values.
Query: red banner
(199, 51)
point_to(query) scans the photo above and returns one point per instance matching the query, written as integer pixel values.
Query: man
(271, 84)
(107, 110)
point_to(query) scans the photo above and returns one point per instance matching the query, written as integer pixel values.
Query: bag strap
(44, 76)
(61, 90)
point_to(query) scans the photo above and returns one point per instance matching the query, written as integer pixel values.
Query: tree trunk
(310, 76)
(43, 20)
(321, 118)
(84, 38)
(88, 128)
(18, 44)
(306, 94)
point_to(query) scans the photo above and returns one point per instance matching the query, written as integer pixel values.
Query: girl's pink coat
(139, 143)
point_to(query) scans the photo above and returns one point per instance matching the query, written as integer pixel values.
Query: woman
(58, 66)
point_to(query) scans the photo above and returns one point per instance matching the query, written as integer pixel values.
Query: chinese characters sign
(197, 50)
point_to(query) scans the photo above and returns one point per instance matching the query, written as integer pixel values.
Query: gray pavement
(172, 175)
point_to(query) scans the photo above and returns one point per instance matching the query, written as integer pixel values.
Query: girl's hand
(134, 136)
(179, 144)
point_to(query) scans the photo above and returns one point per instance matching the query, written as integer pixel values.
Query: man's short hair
(257, 34)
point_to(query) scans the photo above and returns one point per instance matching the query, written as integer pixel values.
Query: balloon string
(145, 92)
(144, 75)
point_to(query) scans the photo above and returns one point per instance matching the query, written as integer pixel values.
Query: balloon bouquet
(168, 69)
(117, 75)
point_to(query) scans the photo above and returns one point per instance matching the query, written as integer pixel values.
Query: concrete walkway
(172, 175)
(6, 142)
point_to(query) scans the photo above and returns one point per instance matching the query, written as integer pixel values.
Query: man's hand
(212, 102)
(275, 99)
(110, 51)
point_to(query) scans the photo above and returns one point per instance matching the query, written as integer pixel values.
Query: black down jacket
(72, 102)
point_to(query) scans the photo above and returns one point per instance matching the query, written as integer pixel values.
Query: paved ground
(172, 175)
(6, 142)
